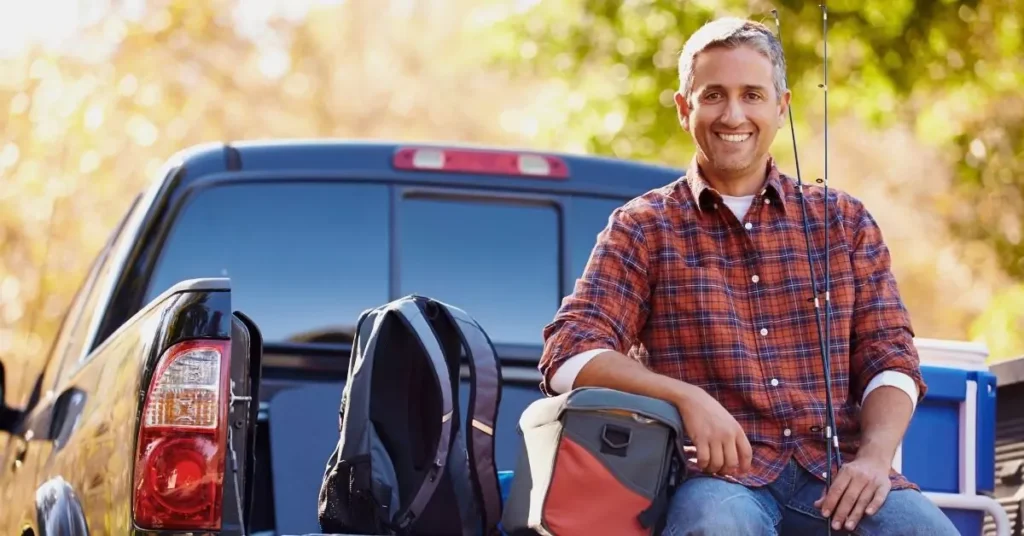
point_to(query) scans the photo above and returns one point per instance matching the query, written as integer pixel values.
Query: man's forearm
(613, 370)
(885, 416)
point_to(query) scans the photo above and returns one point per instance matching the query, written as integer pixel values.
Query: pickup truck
(194, 384)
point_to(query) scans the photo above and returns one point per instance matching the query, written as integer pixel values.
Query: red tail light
(481, 161)
(179, 464)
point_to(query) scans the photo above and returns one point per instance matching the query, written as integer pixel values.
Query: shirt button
(824, 474)
(749, 226)
(755, 278)
(775, 382)
(764, 331)
(786, 432)
(767, 201)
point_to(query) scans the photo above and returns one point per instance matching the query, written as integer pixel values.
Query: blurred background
(926, 120)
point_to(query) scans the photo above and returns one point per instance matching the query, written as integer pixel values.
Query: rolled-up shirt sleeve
(608, 306)
(882, 337)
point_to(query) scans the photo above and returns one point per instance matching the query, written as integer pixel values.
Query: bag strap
(484, 399)
(354, 411)
(413, 316)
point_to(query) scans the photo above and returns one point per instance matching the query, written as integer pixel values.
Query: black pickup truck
(194, 384)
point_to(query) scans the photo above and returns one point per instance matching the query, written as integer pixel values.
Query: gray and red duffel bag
(594, 461)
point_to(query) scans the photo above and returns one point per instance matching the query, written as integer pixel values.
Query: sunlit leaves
(950, 70)
(89, 125)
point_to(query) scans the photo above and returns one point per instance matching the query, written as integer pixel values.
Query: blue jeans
(709, 506)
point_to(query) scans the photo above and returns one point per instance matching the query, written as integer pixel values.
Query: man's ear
(683, 109)
(784, 106)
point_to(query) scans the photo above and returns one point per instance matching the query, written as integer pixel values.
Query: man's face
(733, 111)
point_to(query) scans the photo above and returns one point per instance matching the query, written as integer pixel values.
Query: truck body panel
(280, 246)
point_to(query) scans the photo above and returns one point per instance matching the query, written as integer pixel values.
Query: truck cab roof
(481, 166)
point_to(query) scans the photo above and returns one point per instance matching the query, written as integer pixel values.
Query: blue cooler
(949, 447)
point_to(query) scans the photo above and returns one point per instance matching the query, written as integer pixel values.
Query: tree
(947, 71)
(88, 125)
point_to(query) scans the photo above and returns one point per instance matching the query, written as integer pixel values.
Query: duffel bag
(594, 461)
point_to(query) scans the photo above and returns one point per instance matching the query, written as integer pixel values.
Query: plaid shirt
(677, 282)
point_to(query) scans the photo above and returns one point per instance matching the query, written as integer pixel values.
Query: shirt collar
(704, 194)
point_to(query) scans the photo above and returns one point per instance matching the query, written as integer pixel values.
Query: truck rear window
(496, 260)
(306, 258)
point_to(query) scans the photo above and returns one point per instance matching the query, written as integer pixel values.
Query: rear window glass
(304, 258)
(497, 260)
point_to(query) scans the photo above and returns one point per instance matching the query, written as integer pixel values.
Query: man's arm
(608, 306)
(606, 312)
(881, 340)
(882, 337)
(602, 367)
(885, 416)
(862, 485)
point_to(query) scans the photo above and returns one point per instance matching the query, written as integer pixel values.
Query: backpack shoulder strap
(409, 310)
(484, 399)
(354, 412)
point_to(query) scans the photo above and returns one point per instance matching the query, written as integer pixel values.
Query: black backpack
(402, 465)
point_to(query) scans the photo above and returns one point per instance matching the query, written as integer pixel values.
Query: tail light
(481, 161)
(179, 464)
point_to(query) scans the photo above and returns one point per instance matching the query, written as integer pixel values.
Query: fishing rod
(824, 340)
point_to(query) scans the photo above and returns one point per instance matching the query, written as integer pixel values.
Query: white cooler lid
(964, 355)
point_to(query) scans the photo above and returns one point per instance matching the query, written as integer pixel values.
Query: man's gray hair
(731, 32)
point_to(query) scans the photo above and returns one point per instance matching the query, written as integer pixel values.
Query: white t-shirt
(738, 205)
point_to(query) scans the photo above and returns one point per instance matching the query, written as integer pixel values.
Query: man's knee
(908, 512)
(708, 507)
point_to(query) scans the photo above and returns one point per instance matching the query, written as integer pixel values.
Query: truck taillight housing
(453, 160)
(182, 445)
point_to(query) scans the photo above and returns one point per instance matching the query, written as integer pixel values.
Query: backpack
(595, 461)
(403, 464)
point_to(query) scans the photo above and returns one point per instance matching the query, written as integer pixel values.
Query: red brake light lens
(480, 161)
(179, 465)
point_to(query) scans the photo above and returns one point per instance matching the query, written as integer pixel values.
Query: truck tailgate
(304, 430)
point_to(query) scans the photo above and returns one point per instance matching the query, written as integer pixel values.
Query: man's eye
(712, 95)
(753, 96)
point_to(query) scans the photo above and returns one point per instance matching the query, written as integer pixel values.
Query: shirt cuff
(564, 378)
(894, 379)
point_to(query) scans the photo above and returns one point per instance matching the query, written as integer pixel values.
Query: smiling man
(700, 293)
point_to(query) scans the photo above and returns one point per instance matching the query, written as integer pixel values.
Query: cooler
(949, 447)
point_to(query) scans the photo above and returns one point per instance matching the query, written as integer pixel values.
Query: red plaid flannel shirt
(677, 282)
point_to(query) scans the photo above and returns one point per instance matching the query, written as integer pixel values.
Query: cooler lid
(964, 355)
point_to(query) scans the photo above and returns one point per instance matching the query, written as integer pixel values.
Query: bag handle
(484, 399)
(409, 310)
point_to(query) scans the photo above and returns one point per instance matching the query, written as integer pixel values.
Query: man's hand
(722, 446)
(860, 487)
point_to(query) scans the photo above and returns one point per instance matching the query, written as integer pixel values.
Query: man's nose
(733, 114)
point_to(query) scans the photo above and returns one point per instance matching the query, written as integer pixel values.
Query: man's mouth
(734, 138)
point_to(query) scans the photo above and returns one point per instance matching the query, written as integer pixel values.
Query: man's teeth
(734, 137)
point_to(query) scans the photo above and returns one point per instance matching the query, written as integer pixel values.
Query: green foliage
(889, 60)
(949, 70)
(1002, 324)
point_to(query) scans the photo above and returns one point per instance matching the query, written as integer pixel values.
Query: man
(700, 293)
